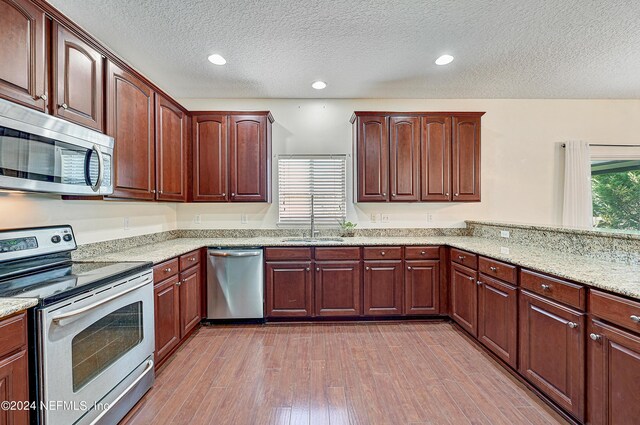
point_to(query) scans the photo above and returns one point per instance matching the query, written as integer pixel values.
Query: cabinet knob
(393, 194)
(317, 269)
(384, 193)
(493, 269)
(308, 269)
(423, 253)
(233, 194)
(167, 270)
(595, 337)
(153, 191)
(472, 278)
(478, 283)
(178, 283)
(635, 319)
(44, 96)
(224, 194)
(446, 194)
(461, 257)
(64, 106)
(455, 194)
(545, 287)
(409, 268)
(160, 192)
(366, 268)
(572, 325)
(382, 253)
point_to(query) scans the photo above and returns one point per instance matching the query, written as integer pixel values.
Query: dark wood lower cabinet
(613, 375)
(552, 351)
(190, 286)
(422, 287)
(288, 289)
(14, 369)
(337, 289)
(464, 298)
(498, 318)
(167, 317)
(383, 288)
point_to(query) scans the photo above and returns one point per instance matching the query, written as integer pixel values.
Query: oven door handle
(125, 392)
(61, 319)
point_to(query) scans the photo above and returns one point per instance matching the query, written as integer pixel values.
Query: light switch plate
(197, 219)
(374, 217)
(125, 223)
(244, 218)
(385, 218)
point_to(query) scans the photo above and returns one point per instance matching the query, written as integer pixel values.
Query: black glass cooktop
(53, 280)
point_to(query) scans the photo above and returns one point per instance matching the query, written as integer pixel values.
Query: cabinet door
(422, 287)
(171, 151)
(435, 159)
(383, 288)
(248, 155)
(130, 121)
(337, 289)
(613, 375)
(23, 68)
(78, 72)
(288, 289)
(189, 300)
(552, 351)
(210, 158)
(498, 318)
(404, 162)
(466, 158)
(464, 298)
(373, 159)
(167, 316)
(14, 386)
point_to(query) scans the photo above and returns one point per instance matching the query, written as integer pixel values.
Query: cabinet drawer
(13, 333)
(465, 258)
(498, 269)
(383, 253)
(285, 254)
(165, 270)
(422, 252)
(556, 289)
(342, 253)
(189, 259)
(614, 309)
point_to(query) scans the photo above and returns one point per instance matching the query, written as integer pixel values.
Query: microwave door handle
(87, 168)
(65, 318)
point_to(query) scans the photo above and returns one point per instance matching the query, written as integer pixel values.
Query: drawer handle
(493, 269)
(423, 253)
(545, 287)
(635, 319)
(461, 257)
(472, 278)
(167, 270)
(382, 253)
(595, 337)
(572, 325)
(192, 259)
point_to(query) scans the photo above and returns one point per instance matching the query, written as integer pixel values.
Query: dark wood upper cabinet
(250, 158)
(337, 288)
(498, 318)
(130, 121)
(552, 355)
(372, 158)
(78, 79)
(210, 158)
(464, 298)
(435, 158)
(289, 287)
(466, 158)
(422, 287)
(404, 155)
(613, 373)
(23, 67)
(383, 288)
(171, 151)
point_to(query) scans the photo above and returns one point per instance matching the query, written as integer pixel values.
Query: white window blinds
(300, 178)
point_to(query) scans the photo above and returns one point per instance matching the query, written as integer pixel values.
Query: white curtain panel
(577, 210)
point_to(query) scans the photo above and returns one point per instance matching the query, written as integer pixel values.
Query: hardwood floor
(362, 373)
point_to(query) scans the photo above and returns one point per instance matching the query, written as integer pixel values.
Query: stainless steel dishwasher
(235, 283)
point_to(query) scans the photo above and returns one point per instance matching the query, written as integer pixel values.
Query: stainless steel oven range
(91, 334)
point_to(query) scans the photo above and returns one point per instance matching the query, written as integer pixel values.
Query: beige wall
(521, 166)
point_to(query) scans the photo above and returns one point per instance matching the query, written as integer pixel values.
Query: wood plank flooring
(414, 373)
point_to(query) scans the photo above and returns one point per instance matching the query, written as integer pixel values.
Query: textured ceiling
(375, 48)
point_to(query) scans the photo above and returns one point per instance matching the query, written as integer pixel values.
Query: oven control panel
(23, 243)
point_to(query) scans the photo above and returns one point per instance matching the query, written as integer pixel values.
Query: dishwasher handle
(222, 253)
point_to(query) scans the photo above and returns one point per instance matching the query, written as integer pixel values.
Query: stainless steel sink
(312, 240)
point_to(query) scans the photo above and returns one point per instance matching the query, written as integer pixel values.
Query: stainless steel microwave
(42, 153)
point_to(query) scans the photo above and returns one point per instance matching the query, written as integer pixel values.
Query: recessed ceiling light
(444, 60)
(319, 85)
(217, 59)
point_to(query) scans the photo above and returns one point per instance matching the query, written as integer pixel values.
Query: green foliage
(347, 225)
(616, 200)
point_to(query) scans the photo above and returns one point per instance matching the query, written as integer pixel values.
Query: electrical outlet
(385, 218)
(197, 219)
(504, 250)
(244, 219)
(504, 233)
(125, 223)
(429, 217)
(374, 217)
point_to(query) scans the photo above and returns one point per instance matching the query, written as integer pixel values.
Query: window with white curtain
(302, 177)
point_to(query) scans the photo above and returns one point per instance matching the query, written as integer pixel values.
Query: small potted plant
(348, 228)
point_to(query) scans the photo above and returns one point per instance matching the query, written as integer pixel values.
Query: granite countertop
(617, 277)
(9, 306)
